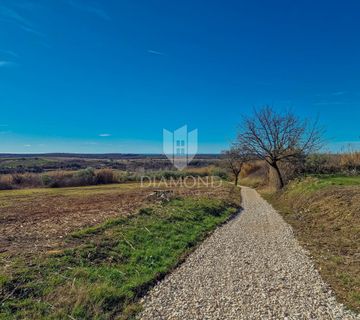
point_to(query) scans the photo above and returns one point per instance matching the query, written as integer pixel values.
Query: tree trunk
(236, 179)
(278, 172)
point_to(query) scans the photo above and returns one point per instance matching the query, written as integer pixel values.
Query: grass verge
(111, 265)
(325, 215)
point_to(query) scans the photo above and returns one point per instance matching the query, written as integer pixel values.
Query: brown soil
(41, 221)
(38, 220)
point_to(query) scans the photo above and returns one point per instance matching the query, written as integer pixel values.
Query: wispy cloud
(12, 16)
(7, 64)
(33, 31)
(91, 8)
(327, 103)
(338, 93)
(334, 103)
(27, 145)
(159, 53)
(104, 135)
(29, 5)
(9, 53)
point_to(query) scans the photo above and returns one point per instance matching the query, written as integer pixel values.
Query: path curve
(251, 268)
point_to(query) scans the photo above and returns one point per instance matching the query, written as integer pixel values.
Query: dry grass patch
(326, 220)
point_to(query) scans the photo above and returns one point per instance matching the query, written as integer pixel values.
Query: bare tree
(278, 137)
(234, 160)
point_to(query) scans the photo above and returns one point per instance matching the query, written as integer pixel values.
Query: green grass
(111, 265)
(317, 182)
(339, 180)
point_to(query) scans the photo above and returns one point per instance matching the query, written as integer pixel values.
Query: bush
(344, 163)
(105, 176)
(319, 163)
(85, 174)
(27, 180)
(6, 182)
(46, 180)
(90, 176)
(58, 179)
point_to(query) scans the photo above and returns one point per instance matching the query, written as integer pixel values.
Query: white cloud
(156, 52)
(27, 145)
(104, 135)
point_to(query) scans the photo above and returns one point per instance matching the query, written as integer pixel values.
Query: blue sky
(108, 76)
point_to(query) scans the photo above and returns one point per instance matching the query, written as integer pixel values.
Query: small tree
(234, 160)
(276, 137)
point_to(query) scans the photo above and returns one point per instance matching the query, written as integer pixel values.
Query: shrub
(6, 182)
(46, 180)
(83, 177)
(27, 180)
(105, 176)
(350, 161)
(345, 163)
(58, 179)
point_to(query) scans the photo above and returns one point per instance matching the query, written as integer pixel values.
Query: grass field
(99, 271)
(324, 212)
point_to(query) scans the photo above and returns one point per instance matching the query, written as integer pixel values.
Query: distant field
(41, 163)
(25, 163)
(325, 214)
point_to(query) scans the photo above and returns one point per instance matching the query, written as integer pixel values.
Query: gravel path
(251, 268)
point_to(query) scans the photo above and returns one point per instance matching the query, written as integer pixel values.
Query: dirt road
(251, 268)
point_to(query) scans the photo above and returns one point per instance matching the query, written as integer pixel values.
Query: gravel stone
(250, 268)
